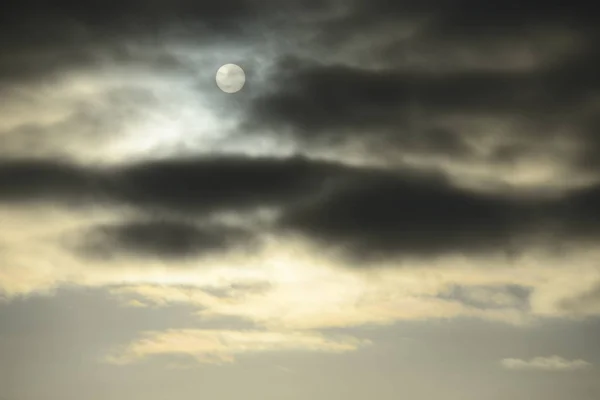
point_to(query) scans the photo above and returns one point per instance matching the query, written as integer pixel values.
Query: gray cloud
(554, 363)
(32, 180)
(410, 94)
(166, 239)
(370, 213)
(394, 215)
(42, 39)
(583, 303)
(462, 141)
(179, 185)
(489, 297)
(545, 111)
(411, 112)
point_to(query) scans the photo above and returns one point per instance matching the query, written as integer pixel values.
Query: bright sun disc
(230, 78)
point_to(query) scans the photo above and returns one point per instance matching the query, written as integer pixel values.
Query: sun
(230, 78)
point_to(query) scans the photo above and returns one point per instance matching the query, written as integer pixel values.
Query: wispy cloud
(553, 363)
(222, 346)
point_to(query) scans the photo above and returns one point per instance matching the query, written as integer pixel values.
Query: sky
(403, 201)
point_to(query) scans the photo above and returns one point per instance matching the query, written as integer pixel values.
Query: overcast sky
(403, 201)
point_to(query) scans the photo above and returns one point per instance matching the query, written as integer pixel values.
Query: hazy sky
(403, 201)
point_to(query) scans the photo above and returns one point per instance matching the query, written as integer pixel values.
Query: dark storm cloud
(40, 22)
(179, 185)
(161, 238)
(391, 215)
(33, 180)
(43, 39)
(472, 16)
(466, 17)
(315, 97)
(326, 99)
(337, 104)
(40, 39)
(223, 183)
(368, 213)
(403, 108)
(578, 212)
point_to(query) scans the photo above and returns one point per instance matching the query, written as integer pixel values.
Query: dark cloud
(161, 238)
(331, 95)
(392, 215)
(578, 213)
(471, 16)
(41, 22)
(467, 17)
(370, 213)
(33, 180)
(381, 101)
(223, 183)
(41, 39)
(366, 213)
(178, 185)
(331, 105)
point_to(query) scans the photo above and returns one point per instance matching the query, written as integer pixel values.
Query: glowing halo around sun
(230, 78)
